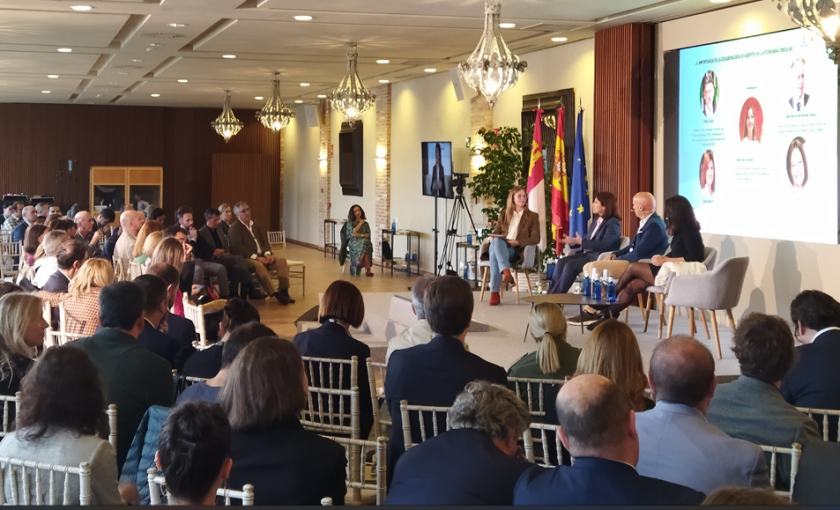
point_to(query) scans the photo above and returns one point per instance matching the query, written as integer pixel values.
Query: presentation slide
(756, 138)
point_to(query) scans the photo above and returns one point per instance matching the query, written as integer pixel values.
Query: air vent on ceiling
(162, 35)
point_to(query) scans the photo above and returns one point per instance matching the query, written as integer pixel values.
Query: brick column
(481, 116)
(383, 165)
(325, 156)
(282, 154)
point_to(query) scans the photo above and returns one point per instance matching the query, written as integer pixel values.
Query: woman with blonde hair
(517, 228)
(81, 303)
(22, 328)
(554, 359)
(148, 228)
(149, 245)
(613, 352)
(171, 252)
(226, 211)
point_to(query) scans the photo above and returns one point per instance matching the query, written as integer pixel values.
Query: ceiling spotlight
(559, 39)
(304, 84)
(322, 96)
(298, 101)
(156, 45)
(155, 95)
(384, 81)
(228, 56)
(177, 25)
(52, 76)
(430, 70)
(259, 98)
(136, 60)
(383, 61)
(81, 7)
(183, 81)
(45, 92)
(303, 18)
(64, 50)
(507, 25)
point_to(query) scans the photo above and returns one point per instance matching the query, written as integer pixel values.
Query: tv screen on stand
(437, 169)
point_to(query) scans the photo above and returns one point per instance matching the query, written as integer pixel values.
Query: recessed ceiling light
(45, 92)
(259, 98)
(383, 61)
(298, 101)
(228, 56)
(136, 60)
(322, 96)
(304, 84)
(81, 7)
(156, 45)
(430, 70)
(384, 81)
(559, 39)
(64, 50)
(122, 73)
(303, 18)
(177, 25)
(183, 81)
(507, 25)
(52, 76)
(155, 95)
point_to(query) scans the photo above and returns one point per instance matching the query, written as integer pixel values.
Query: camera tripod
(460, 207)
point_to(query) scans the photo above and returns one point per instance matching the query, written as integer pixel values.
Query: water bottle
(469, 239)
(393, 226)
(586, 286)
(596, 288)
(611, 295)
(464, 269)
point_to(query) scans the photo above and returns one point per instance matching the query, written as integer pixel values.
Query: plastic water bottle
(597, 289)
(586, 286)
(464, 270)
(469, 239)
(393, 226)
(611, 294)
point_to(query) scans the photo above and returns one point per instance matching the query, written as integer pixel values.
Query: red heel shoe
(495, 299)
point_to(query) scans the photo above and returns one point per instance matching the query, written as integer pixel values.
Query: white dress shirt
(44, 268)
(256, 241)
(513, 228)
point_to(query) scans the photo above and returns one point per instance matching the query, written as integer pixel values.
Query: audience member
(214, 246)
(816, 481)
(157, 214)
(210, 267)
(64, 224)
(420, 333)
(104, 220)
(435, 373)
(194, 453)
(742, 496)
(54, 209)
(154, 288)
(208, 391)
(85, 233)
(19, 231)
(32, 240)
(8, 288)
(263, 395)
(226, 212)
(751, 407)
(207, 363)
(62, 421)
(613, 351)
(190, 272)
(69, 258)
(555, 358)
(134, 377)
(150, 244)
(148, 228)
(477, 462)
(47, 264)
(22, 328)
(77, 207)
(81, 302)
(130, 224)
(42, 208)
(814, 381)
(676, 443)
(14, 216)
(342, 308)
(171, 252)
(251, 242)
(179, 328)
(597, 425)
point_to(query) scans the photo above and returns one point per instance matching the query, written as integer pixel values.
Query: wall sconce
(381, 162)
(322, 162)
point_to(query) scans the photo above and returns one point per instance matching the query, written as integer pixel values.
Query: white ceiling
(124, 50)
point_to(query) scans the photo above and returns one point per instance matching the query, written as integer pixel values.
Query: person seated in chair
(154, 288)
(214, 246)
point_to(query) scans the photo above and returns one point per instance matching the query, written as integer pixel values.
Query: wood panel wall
(230, 187)
(623, 125)
(37, 140)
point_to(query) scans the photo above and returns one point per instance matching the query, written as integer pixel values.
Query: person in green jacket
(555, 359)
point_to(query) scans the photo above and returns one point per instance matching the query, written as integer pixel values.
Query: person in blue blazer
(29, 217)
(342, 307)
(604, 234)
(598, 427)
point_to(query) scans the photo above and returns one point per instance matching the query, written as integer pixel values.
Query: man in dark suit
(29, 217)
(85, 233)
(478, 462)
(816, 482)
(179, 328)
(598, 427)
(435, 373)
(814, 380)
(251, 242)
(155, 310)
(134, 378)
(799, 99)
(213, 245)
(70, 256)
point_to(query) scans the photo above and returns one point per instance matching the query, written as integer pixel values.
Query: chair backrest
(376, 392)
(57, 338)
(10, 259)
(529, 258)
(327, 392)
(717, 290)
(21, 483)
(534, 391)
(795, 452)
(8, 401)
(356, 451)
(134, 270)
(709, 258)
(625, 242)
(155, 483)
(196, 315)
(539, 441)
(426, 415)
(112, 425)
(825, 414)
(277, 237)
(6, 236)
(121, 270)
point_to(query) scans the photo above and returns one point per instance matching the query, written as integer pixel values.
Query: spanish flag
(536, 179)
(560, 188)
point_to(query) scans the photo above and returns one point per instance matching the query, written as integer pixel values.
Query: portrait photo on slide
(751, 121)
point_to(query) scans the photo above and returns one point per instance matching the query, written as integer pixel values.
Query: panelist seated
(604, 234)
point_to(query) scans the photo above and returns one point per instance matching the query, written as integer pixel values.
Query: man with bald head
(676, 443)
(598, 427)
(130, 223)
(29, 217)
(84, 233)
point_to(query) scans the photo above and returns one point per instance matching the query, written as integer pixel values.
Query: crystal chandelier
(226, 124)
(351, 97)
(819, 16)
(275, 115)
(492, 68)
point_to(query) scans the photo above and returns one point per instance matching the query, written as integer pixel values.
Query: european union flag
(579, 202)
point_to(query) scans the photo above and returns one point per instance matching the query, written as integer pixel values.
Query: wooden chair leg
(731, 318)
(484, 283)
(705, 326)
(647, 310)
(642, 306)
(692, 327)
(528, 280)
(515, 284)
(660, 302)
(671, 313)
(715, 330)
(627, 315)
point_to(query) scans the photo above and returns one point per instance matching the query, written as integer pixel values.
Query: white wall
(300, 180)
(778, 269)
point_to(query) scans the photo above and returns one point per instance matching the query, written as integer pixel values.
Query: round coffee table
(563, 299)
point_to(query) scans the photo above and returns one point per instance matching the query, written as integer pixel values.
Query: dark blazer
(607, 237)
(207, 244)
(459, 467)
(432, 375)
(241, 242)
(804, 101)
(205, 364)
(288, 465)
(19, 232)
(649, 241)
(110, 244)
(57, 283)
(594, 481)
(159, 343)
(816, 482)
(331, 340)
(814, 380)
(688, 244)
(134, 378)
(183, 331)
(93, 250)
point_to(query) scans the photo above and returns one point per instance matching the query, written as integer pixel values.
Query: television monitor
(437, 169)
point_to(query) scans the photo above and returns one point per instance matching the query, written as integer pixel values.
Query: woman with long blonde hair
(149, 245)
(22, 328)
(613, 352)
(554, 358)
(226, 212)
(517, 228)
(171, 252)
(148, 228)
(81, 303)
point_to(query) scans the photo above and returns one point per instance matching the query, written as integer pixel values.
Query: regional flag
(560, 188)
(536, 179)
(579, 205)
